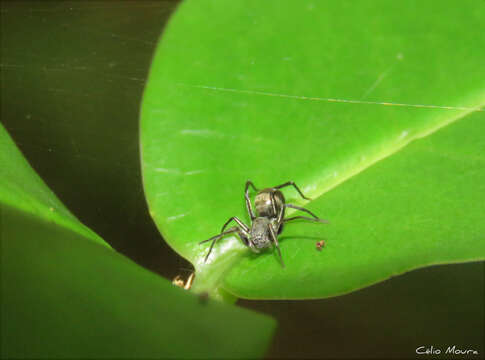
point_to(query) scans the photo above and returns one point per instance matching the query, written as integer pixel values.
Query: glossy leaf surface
(367, 99)
(64, 296)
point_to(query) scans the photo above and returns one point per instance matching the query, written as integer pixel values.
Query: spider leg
(231, 230)
(291, 183)
(242, 230)
(316, 218)
(279, 217)
(305, 218)
(274, 238)
(217, 237)
(248, 201)
(238, 221)
(273, 203)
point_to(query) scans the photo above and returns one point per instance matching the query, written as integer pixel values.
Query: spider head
(259, 236)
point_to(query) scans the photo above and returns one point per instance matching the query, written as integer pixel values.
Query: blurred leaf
(63, 296)
(346, 96)
(24, 190)
(73, 110)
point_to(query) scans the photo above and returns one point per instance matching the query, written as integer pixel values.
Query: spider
(270, 208)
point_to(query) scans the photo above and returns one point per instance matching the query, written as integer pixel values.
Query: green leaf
(379, 102)
(64, 296)
(24, 190)
(75, 114)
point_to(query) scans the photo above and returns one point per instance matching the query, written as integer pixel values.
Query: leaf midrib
(319, 191)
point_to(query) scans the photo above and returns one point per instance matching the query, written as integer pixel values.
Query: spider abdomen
(265, 206)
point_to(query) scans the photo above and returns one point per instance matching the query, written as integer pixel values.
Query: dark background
(72, 79)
